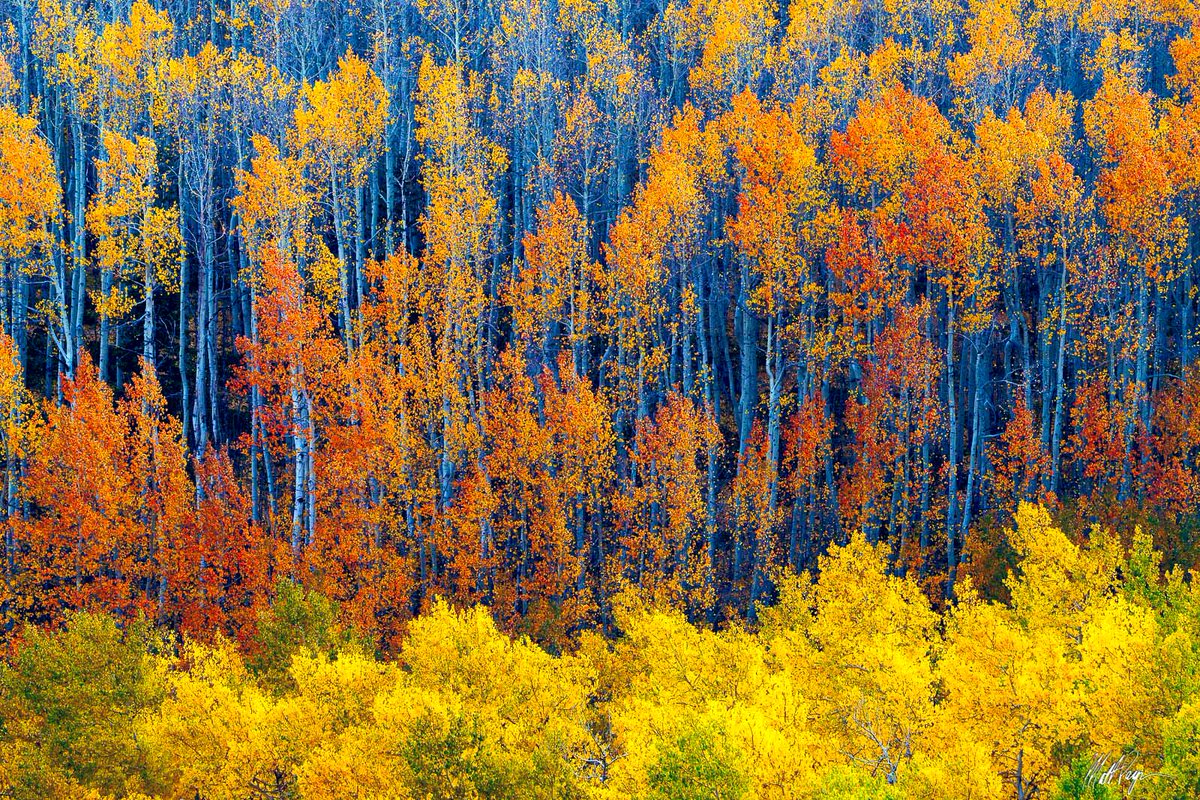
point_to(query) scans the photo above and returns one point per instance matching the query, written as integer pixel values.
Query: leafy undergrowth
(1085, 682)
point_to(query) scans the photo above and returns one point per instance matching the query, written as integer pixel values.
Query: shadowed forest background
(564, 308)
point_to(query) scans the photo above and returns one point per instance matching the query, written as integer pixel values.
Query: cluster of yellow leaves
(342, 119)
(30, 194)
(468, 712)
(135, 239)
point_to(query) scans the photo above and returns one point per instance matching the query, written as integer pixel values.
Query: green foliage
(297, 622)
(1078, 782)
(699, 765)
(1181, 751)
(68, 703)
(444, 761)
(846, 783)
(454, 759)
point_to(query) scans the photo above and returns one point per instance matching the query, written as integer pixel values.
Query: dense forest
(607, 317)
(521, 304)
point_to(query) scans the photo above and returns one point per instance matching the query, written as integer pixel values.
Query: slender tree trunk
(981, 363)
(148, 316)
(1059, 387)
(952, 453)
(299, 464)
(185, 401)
(79, 252)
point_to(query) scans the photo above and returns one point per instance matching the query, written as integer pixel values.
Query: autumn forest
(598, 398)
